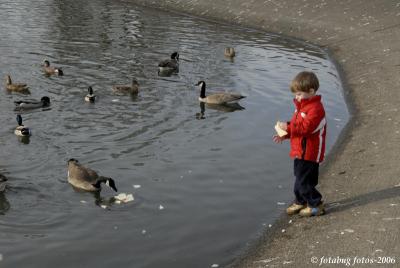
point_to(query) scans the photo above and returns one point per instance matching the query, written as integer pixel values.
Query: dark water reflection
(220, 180)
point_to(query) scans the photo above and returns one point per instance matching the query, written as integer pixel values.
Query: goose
(131, 89)
(229, 52)
(169, 65)
(49, 70)
(22, 130)
(21, 88)
(219, 97)
(90, 97)
(32, 104)
(85, 178)
(3, 183)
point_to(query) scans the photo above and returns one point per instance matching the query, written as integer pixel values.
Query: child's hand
(283, 125)
(277, 139)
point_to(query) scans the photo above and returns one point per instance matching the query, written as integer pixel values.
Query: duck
(17, 87)
(3, 183)
(219, 97)
(32, 104)
(229, 52)
(131, 89)
(90, 97)
(49, 70)
(169, 65)
(22, 130)
(86, 179)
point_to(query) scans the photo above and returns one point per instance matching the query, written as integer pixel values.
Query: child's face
(299, 95)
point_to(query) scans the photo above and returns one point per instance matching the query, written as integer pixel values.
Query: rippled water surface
(219, 179)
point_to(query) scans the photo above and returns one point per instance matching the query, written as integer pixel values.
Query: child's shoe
(309, 211)
(294, 208)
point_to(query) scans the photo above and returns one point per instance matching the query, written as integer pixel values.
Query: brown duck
(131, 89)
(16, 87)
(50, 70)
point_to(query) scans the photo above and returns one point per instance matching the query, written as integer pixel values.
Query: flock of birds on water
(79, 176)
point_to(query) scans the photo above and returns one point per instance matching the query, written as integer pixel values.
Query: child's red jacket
(307, 130)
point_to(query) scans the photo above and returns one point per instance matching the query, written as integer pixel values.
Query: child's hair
(304, 82)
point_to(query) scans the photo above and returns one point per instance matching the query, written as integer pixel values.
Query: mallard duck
(169, 65)
(90, 97)
(49, 70)
(229, 52)
(85, 178)
(32, 104)
(3, 183)
(21, 130)
(21, 88)
(219, 97)
(131, 89)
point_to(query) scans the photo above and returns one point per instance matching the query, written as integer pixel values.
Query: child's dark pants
(306, 173)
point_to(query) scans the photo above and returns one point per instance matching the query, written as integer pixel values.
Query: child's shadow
(363, 199)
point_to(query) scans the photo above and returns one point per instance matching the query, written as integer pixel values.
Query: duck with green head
(32, 104)
(169, 65)
(22, 130)
(90, 97)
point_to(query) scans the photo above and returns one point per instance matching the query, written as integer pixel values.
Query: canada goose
(21, 88)
(90, 97)
(3, 183)
(85, 178)
(219, 97)
(49, 70)
(21, 130)
(229, 52)
(169, 65)
(131, 89)
(31, 104)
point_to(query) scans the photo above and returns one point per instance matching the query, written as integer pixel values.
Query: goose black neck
(203, 90)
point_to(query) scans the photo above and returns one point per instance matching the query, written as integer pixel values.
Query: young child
(306, 131)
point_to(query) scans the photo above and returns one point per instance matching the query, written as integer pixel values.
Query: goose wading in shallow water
(229, 52)
(32, 104)
(3, 183)
(127, 89)
(85, 178)
(16, 87)
(219, 97)
(90, 97)
(169, 65)
(21, 130)
(49, 70)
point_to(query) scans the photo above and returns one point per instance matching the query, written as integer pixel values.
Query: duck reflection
(99, 200)
(24, 140)
(166, 72)
(227, 108)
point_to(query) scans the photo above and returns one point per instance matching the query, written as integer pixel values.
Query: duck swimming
(219, 97)
(169, 65)
(49, 70)
(22, 130)
(16, 87)
(85, 178)
(131, 89)
(32, 104)
(90, 97)
(229, 52)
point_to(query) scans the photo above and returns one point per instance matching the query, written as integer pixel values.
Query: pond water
(208, 184)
